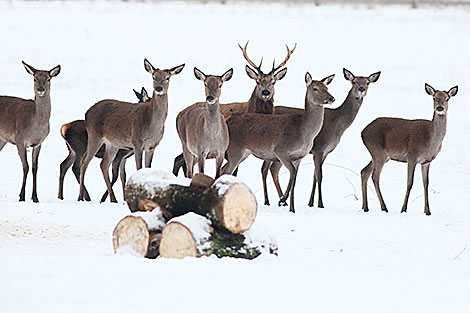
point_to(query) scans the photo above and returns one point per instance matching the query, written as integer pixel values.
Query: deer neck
(43, 107)
(439, 127)
(257, 105)
(312, 119)
(212, 111)
(347, 112)
(159, 106)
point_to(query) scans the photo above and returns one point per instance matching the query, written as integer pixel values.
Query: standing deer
(335, 123)
(25, 123)
(286, 138)
(123, 125)
(411, 141)
(202, 130)
(76, 137)
(262, 97)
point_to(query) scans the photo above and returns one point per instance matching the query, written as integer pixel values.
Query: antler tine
(245, 55)
(289, 52)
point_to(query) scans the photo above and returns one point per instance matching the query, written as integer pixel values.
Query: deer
(409, 141)
(76, 137)
(286, 138)
(335, 123)
(202, 130)
(123, 125)
(261, 99)
(25, 123)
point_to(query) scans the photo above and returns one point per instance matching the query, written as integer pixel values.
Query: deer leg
(149, 158)
(76, 172)
(64, 166)
(284, 158)
(425, 174)
(378, 165)
(110, 154)
(35, 157)
(365, 174)
(92, 148)
(138, 151)
(179, 163)
(122, 170)
(312, 194)
(189, 160)
(264, 174)
(24, 161)
(319, 175)
(409, 184)
(218, 164)
(275, 167)
(296, 170)
(201, 161)
(115, 172)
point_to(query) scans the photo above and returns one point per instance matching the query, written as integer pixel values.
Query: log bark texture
(227, 203)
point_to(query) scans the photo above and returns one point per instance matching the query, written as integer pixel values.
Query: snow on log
(140, 232)
(192, 235)
(227, 202)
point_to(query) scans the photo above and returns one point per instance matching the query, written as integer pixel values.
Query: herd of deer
(114, 130)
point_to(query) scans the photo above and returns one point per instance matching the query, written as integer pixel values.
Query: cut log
(140, 232)
(192, 235)
(228, 203)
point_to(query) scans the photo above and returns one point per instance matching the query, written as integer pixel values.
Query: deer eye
(167, 78)
(220, 85)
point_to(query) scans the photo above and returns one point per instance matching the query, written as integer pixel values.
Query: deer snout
(330, 100)
(265, 93)
(210, 99)
(362, 89)
(440, 109)
(41, 91)
(159, 89)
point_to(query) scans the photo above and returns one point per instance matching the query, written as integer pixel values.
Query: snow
(154, 218)
(150, 178)
(57, 256)
(224, 182)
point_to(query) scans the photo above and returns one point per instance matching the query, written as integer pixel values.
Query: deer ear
(348, 75)
(199, 74)
(374, 77)
(251, 72)
(145, 95)
(31, 70)
(327, 80)
(227, 75)
(453, 91)
(55, 71)
(429, 89)
(280, 75)
(148, 66)
(176, 70)
(308, 79)
(138, 95)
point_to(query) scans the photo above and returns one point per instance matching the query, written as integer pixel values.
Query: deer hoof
(366, 209)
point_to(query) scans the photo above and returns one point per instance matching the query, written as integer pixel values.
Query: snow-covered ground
(57, 256)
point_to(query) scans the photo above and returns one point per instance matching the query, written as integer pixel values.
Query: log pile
(176, 218)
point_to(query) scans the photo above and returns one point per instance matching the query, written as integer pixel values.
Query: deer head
(317, 90)
(360, 84)
(42, 79)
(441, 98)
(265, 82)
(161, 78)
(213, 84)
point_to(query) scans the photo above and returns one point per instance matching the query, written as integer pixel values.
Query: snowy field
(57, 256)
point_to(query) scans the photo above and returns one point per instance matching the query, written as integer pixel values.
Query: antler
(289, 52)
(258, 68)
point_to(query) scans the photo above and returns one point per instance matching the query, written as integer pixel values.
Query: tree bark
(227, 203)
(192, 235)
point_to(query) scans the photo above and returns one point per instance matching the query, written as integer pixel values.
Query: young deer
(411, 141)
(25, 123)
(262, 97)
(287, 138)
(123, 125)
(202, 130)
(76, 137)
(335, 123)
